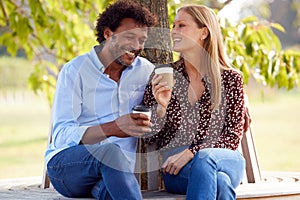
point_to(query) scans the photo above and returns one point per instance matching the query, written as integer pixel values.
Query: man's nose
(135, 44)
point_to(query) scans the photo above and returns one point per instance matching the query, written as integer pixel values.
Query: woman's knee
(175, 184)
(225, 190)
(223, 180)
(204, 158)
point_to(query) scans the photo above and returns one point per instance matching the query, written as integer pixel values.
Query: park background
(275, 113)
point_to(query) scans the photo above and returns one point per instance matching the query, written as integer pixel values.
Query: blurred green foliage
(14, 73)
(256, 50)
(53, 32)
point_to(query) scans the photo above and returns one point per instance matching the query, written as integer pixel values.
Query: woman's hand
(161, 92)
(176, 162)
(247, 119)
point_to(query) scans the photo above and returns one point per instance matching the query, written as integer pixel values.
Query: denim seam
(62, 185)
(71, 164)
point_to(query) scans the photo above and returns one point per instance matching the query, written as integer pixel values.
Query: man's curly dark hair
(121, 9)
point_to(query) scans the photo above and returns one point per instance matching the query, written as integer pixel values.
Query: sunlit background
(25, 116)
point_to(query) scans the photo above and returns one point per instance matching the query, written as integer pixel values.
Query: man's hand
(133, 124)
(176, 162)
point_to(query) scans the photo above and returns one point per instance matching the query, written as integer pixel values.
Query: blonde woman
(199, 123)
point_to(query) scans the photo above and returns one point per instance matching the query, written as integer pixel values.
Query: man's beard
(121, 62)
(118, 59)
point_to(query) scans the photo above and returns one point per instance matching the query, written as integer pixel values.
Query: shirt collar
(95, 52)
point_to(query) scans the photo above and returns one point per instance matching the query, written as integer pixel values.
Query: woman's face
(186, 34)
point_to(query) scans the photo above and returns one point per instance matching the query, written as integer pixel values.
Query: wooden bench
(275, 186)
(150, 179)
(272, 186)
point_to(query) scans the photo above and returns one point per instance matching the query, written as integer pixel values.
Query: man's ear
(107, 33)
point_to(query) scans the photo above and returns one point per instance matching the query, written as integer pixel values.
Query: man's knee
(110, 155)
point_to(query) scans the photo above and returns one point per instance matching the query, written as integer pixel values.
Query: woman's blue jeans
(77, 172)
(213, 173)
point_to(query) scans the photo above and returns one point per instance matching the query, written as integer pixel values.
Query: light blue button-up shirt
(85, 97)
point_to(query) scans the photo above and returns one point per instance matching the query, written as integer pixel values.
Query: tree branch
(4, 13)
(220, 6)
(226, 3)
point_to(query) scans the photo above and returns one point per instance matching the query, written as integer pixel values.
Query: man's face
(127, 41)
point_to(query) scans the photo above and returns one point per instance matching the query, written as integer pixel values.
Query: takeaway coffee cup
(166, 71)
(142, 109)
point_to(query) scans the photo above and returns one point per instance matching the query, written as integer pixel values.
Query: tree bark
(158, 51)
(158, 46)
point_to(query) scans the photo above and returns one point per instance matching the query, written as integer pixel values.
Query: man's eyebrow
(129, 33)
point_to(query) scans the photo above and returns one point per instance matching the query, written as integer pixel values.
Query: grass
(23, 135)
(14, 72)
(24, 121)
(276, 130)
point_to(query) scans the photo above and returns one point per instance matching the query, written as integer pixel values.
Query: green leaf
(292, 81)
(278, 27)
(246, 73)
(282, 77)
(274, 40)
(249, 19)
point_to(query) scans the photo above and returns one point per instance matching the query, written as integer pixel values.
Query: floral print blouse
(196, 125)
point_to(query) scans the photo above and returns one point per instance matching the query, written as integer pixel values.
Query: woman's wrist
(189, 154)
(161, 110)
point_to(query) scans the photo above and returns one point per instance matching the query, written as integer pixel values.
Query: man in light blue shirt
(95, 133)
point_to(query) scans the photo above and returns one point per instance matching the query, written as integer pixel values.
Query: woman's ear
(205, 33)
(107, 33)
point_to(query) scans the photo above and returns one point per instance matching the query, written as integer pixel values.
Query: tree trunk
(158, 46)
(158, 51)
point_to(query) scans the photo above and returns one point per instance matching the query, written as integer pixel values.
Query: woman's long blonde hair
(215, 60)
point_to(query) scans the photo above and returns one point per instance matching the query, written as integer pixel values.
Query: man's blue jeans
(77, 172)
(212, 174)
